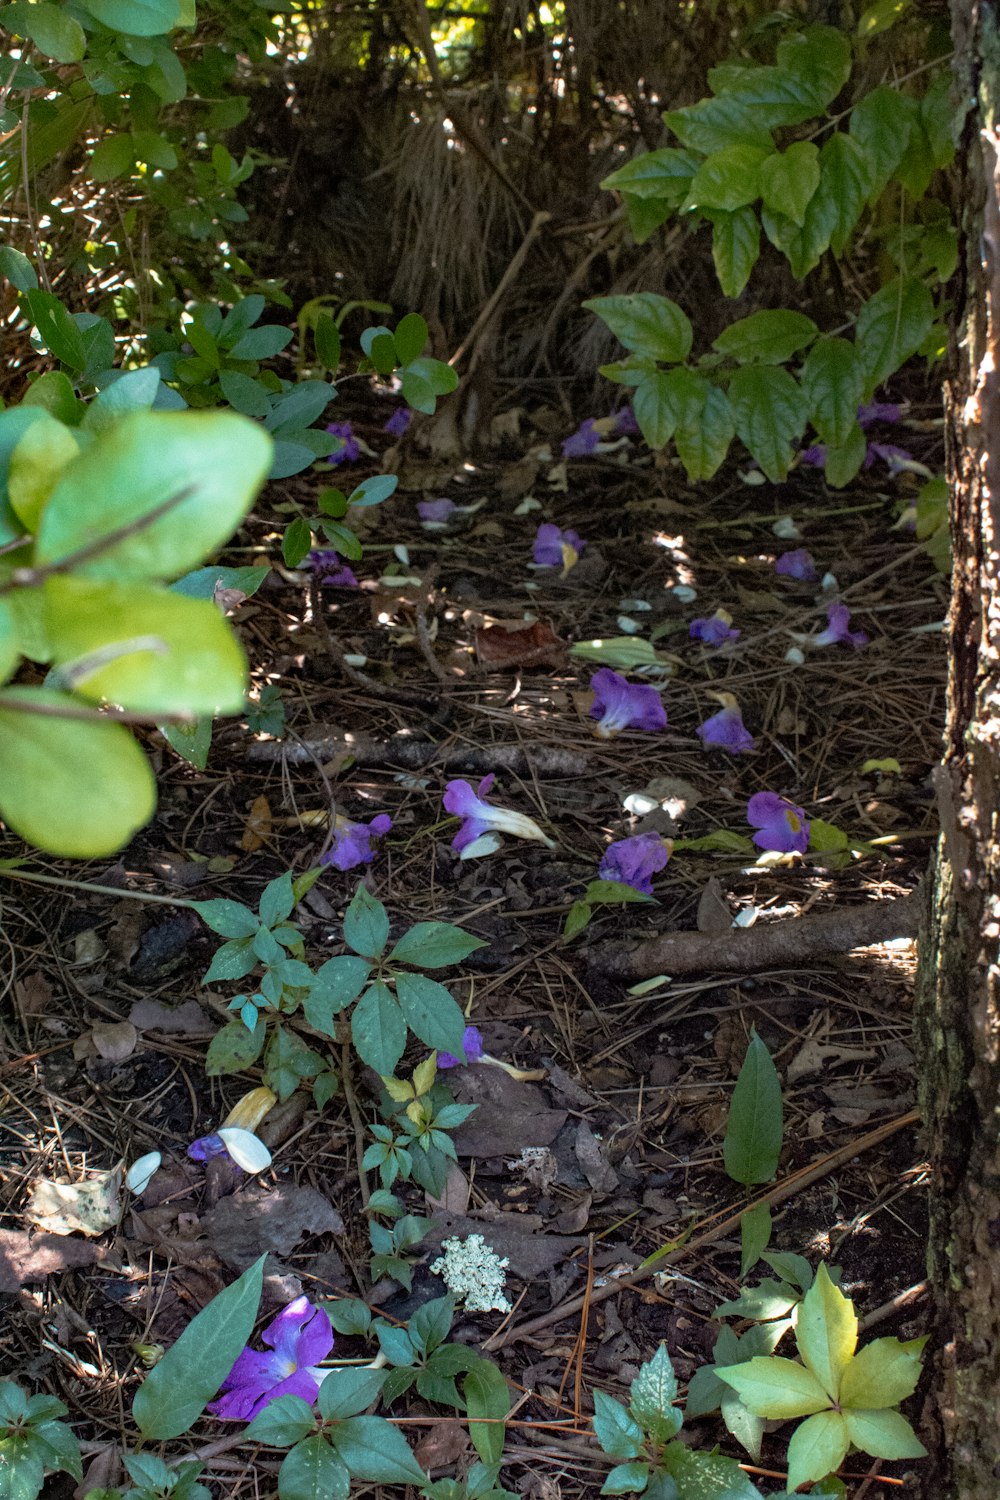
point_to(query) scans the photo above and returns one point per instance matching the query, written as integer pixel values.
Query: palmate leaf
(826, 1332)
(775, 1387)
(883, 1434)
(817, 1448)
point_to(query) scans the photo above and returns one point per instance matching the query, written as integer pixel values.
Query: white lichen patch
(474, 1273)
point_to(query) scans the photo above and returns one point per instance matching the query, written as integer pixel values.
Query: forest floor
(623, 1124)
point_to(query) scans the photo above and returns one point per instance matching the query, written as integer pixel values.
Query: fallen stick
(415, 755)
(790, 941)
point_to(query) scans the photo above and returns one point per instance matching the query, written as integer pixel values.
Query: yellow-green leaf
(826, 1332)
(883, 1373)
(36, 464)
(9, 652)
(775, 1387)
(817, 1448)
(883, 1434)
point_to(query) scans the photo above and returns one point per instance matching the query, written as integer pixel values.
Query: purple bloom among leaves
(622, 705)
(349, 450)
(472, 1046)
(797, 564)
(207, 1146)
(838, 630)
(398, 422)
(549, 543)
(726, 731)
(715, 630)
(781, 826)
(626, 424)
(895, 459)
(436, 511)
(479, 817)
(329, 569)
(352, 842)
(583, 441)
(814, 457)
(878, 411)
(634, 861)
(298, 1339)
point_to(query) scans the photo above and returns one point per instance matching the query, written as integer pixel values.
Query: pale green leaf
(755, 1235)
(826, 1332)
(707, 1476)
(769, 337)
(883, 1434)
(818, 1447)
(727, 179)
(775, 1387)
(883, 1373)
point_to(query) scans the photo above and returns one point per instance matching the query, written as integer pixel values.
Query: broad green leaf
(941, 117)
(747, 1429)
(349, 1314)
(211, 463)
(203, 583)
(230, 919)
(177, 1389)
(702, 444)
(646, 323)
(144, 648)
(57, 1446)
(817, 1448)
(288, 1061)
(728, 179)
(312, 1471)
(410, 336)
(374, 1450)
(789, 178)
(56, 328)
(883, 1373)
(577, 918)
(826, 1332)
(881, 122)
(440, 377)
(707, 1476)
(755, 1235)
(653, 409)
(487, 1398)
(134, 390)
(775, 1387)
(627, 1479)
(770, 412)
(374, 490)
(622, 652)
(883, 1434)
(22, 1468)
(680, 396)
(845, 183)
(880, 16)
(231, 961)
(768, 1299)
(300, 406)
(191, 741)
(819, 60)
(41, 456)
(430, 1011)
(111, 158)
(54, 392)
(844, 461)
(434, 945)
(234, 1048)
(72, 788)
(17, 268)
(833, 383)
(645, 215)
(335, 984)
(664, 175)
(611, 892)
(378, 1029)
(768, 338)
(346, 1392)
(138, 17)
(245, 394)
(261, 343)
(9, 652)
(754, 1130)
(617, 1431)
(327, 337)
(430, 1325)
(366, 928)
(826, 838)
(713, 124)
(735, 247)
(277, 900)
(891, 327)
(652, 1396)
(661, 1486)
(284, 1421)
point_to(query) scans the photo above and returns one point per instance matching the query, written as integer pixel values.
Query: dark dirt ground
(630, 1112)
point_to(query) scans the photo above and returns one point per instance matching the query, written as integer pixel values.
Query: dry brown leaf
(102, 1473)
(713, 910)
(455, 1197)
(505, 645)
(88, 1207)
(28, 1258)
(262, 1218)
(32, 995)
(258, 825)
(442, 1445)
(114, 1040)
(179, 1020)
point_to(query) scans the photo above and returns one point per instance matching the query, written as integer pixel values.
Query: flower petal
(246, 1149)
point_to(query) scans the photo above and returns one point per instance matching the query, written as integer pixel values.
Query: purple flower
(895, 458)
(298, 1338)
(330, 570)
(352, 842)
(436, 511)
(348, 450)
(815, 456)
(781, 826)
(479, 817)
(398, 422)
(878, 411)
(838, 630)
(622, 705)
(582, 442)
(549, 543)
(207, 1146)
(715, 630)
(726, 731)
(625, 423)
(635, 861)
(797, 564)
(472, 1046)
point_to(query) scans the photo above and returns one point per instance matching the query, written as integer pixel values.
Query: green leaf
(663, 175)
(487, 1399)
(819, 60)
(137, 17)
(789, 178)
(661, 1486)
(18, 269)
(714, 124)
(617, 1431)
(22, 1468)
(334, 986)
(410, 337)
(826, 838)
(430, 1325)
(702, 444)
(845, 183)
(645, 215)
(612, 892)
(654, 410)
(56, 328)
(754, 1131)
(366, 928)
(56, 1444)
(768, 1299)
(234, 1048)
(378, 1029)
(434, 945)
(844, 461)
(230, 919)
(231, 961)
(191, 741)
(817, 1448)
(833, 382)
(312, 1471)
(626, 1479)
(891, 327)
(344, 1393)
(244, 393)
(261, 343)
(54, 33)
(430, 1012)
(350, 1315)
(775, 1387)
(755, 1235)
(768, 338)
(728, 179)
(646, 323)
(203, 582)
(880, 16)
(883, 1434)
(577, 918)
(111, 158)
(707, 1476)
(735, 247)
(327, 338)
(277, 900)
(288, 1061)
(652, 1396)
(744, 1426)
(770, 411)
(134, 390)
(376, 1451)
(883, 1373)
(215, 460)
(177, 1389)
(284, 1421)
(43, 453)
(374, 490)
(882, 123)
(826, 1333)
(75, 789)
(54, 393)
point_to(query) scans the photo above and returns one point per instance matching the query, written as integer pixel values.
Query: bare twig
(415, 755)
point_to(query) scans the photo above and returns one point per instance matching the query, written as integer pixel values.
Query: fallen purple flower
(896, 459)
(838, 630)
(398, 422)
(726, 731)
(781, 827)
(298, 1339)
(206, 1147)
(582, 442)
(715, 630)
(797, 564)
(472, 1046)
(814, 457)
(622, 705)
(549, 543)
(878, 411)
(244, 1149)
(352, 842)
(435, 511)
(626, 424)
(479, 817)
(634, 861)
(329, 569)
(349, 449)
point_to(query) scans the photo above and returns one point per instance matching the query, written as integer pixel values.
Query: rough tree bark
(958, 1006)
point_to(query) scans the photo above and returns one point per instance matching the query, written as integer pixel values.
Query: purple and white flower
(726, 729)
(583, 441)
(398, 422)
(781, 826)
(243, 1148)
(329, 570)
(634, 861)
(472, 1046)
(352, 842)
(555, 548)
(714, 630)
(838, 631)
(622, 705)
(479, 817)
(797, 564)
(297, 1339)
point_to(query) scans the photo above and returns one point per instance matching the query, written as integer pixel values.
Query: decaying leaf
(89, 1207)
(29, 1258)
(258, 826)
(513, 644)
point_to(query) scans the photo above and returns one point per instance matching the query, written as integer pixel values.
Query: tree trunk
(958, 1005)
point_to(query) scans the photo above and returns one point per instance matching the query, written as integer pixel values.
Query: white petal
(244, 1147)
(795, 656)
(522, 827)
(685, 593)
(627, 626)
(402, 552)
(785, 528)
(746, 917)
(486, 843)
(639, 803)
(141, 1172)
